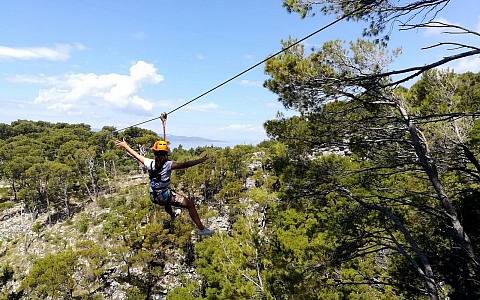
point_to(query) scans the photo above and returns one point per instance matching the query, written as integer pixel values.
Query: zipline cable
(249, 69)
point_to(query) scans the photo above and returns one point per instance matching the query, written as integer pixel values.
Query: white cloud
(80, 46)
(40, 79)
(238, 127)
(58, 53)
(141, 103)
(431, 31)
(468, 64)
(61, 106)
(74, 113)
(76, 91)
(250, 83)
(145, 72)
(200, 56)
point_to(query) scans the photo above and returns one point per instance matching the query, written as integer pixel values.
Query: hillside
(116, 246)
(304, 217)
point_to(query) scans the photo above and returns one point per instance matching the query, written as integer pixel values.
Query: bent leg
(168, 209)
(192, 211)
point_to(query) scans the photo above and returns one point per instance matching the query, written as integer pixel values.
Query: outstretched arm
(188, 164)
(124, 145)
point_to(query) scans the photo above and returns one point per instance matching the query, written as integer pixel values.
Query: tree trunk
(88, 191)
(14, 191)
(65, 195)
(91, 171)
(425, 269)
(430, 169)
(471, 157)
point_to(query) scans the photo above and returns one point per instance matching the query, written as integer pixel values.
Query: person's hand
(121, 144)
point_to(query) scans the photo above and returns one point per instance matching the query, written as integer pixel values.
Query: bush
(102, 202)
(82, 224)
(118, 201)
(37, 227)
(134, 293)
(6, 205)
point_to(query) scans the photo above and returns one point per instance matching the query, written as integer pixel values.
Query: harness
(155, 176)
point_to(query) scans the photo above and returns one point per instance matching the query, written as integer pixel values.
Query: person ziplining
(159, 170)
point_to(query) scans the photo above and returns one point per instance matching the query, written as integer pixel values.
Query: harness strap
(154, 173)
(160, 189)
(163, 117)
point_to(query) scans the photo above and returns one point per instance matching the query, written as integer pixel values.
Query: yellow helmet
(160, 146)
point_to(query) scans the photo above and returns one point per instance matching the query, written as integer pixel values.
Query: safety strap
(154, 173)
(163, 117)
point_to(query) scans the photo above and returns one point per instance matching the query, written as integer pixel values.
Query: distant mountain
(181, 138)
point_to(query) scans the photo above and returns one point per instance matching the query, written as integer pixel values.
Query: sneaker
(205, 231)
(176, 213)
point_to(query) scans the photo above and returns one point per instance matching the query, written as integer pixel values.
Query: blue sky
(119, 63)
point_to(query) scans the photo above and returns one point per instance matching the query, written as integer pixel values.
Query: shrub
(82, 224)
(6, 205)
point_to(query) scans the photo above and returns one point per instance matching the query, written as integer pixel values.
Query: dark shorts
(172, 199)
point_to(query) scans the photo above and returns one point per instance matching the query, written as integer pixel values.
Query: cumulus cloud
(59, 52)
(78, 90)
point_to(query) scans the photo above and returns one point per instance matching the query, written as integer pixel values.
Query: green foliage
(134, 293)
(377, 16)
(347, 204)
(71, 166)
(95, 259)
(234, 265)
(37, 227)
(296, 235)
(82, 224)
(6, 205)
(6, 131)
(190, 291)
(102, 202)
(56, 239)
(45, 164)
(180, 293)
(411, 157)
(52, 276)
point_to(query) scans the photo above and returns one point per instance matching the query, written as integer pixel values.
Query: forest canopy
(369, 192)
(382, 203)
